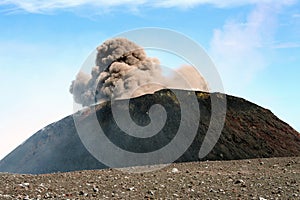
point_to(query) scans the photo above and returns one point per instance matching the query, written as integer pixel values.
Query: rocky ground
(272, 178)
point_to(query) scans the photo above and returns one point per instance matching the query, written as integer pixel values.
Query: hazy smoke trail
(123, 70)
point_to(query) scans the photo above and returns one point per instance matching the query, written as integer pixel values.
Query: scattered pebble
(261, 198)
(175, 170)
(239, 181)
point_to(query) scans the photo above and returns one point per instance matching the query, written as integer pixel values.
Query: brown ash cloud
(123, 70)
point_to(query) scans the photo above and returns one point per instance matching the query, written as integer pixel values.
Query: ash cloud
(123, 70)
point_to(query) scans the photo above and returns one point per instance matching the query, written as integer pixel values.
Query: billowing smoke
(123, 70)
(187, 77)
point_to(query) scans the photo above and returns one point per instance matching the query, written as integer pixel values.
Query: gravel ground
(273, 178)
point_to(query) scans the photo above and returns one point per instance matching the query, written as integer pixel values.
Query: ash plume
(187, 77)
(123, 70)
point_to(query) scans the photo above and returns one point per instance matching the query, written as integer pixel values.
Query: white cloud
(216, 3)
(44, 6)
(296, 15)
(286, 45)
(239, 48)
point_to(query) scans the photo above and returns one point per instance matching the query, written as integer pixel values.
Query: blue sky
(254, 44)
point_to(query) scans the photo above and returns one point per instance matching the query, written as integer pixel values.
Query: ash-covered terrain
(260, 179)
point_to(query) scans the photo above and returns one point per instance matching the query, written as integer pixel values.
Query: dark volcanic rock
(250, 131)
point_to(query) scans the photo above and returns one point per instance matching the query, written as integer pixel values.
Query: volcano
(250, 131)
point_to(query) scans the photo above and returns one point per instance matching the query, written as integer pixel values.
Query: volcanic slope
(250, 131)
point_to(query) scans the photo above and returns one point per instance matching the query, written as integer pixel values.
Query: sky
(255, 45)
